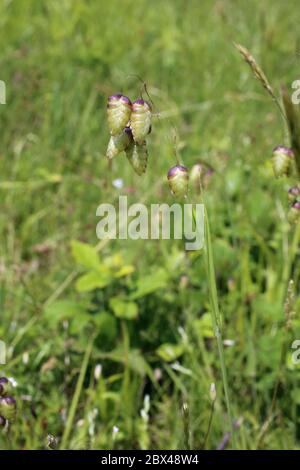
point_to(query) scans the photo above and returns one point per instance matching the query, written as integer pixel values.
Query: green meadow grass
(60, 60)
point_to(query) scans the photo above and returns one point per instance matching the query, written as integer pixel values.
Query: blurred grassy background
(60, 60)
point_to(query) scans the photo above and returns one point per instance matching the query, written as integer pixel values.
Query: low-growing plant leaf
(148, 284)
(124, 271)
(85, 254)
(79, 322)
(169, 352)
(106, 325)
(63, 310)
(124, 309)
(92, 280)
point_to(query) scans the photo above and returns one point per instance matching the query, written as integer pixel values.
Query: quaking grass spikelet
(8, 408)
(178, 178)
(137, 155)
(282, 161)
(8, 405)
(294, 213)
(140, 120)
(118, 113)
(118, 143)
(293, 194)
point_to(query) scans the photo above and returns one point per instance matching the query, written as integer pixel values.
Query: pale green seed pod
(137, 155)
(282, 161)
(118, 113)
(140, 120)
(294, 213)
(118, 143)
(293, 194)
(8, 408)
(178, 178)
(196, 176)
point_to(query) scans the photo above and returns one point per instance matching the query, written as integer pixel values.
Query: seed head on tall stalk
(139, 121)
(178, 180)
(285, 158)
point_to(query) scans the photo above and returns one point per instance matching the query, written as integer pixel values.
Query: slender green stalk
(126, 402)
(211, 415)
(216, 320)
(77, 393)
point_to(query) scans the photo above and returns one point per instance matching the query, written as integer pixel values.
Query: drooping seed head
(178, 178)
(196, 173)
(293, 193)
(118, 112)
(140, 120)
(196, 176)
(112, 98)
(4, 386)
(118, 143)
(141, 102)
(282, 160)
(137, 155)
(283, 149)
(8, 407)
(294, 213)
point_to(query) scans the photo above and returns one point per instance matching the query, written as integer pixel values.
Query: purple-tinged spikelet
(196, 175)
(118, 143)
(294, 213)
(282, 160)
(293, 193)
(140, 120)
(118, 113)
(137, 155)
(178, 178)
(8, 407)
(4, 386)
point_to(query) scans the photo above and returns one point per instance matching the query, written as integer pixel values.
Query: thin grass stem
(76, 396)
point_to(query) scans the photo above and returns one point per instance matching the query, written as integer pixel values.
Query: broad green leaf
(85, 255)
(124, 271)
(152, 282)
(92, 280)
(106, 325)
(79, 322)
(123, 309)
(114, 261)
(169, 352)
(63, 310)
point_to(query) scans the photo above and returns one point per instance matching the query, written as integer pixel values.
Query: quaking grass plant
(286, 163)
(129, 130)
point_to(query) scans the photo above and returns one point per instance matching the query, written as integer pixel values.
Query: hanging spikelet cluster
(283, 160)
(8, 405)
(129, 124)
